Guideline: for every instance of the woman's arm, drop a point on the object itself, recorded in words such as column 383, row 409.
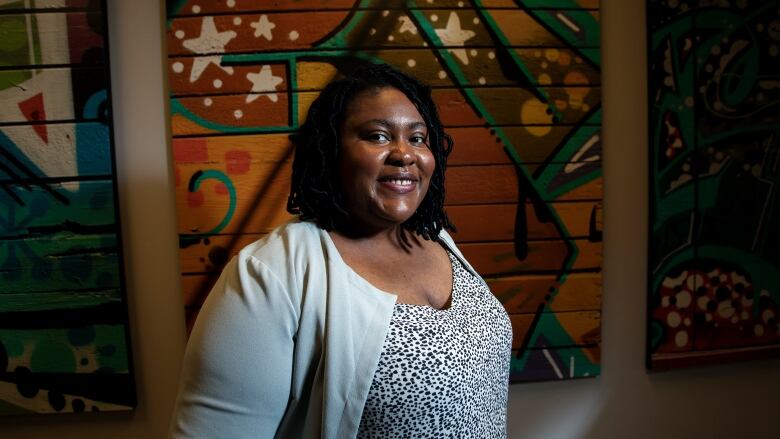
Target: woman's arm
column 237, row 368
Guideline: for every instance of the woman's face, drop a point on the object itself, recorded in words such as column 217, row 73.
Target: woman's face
column 385, row 166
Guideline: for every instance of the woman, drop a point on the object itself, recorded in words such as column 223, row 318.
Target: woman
column 361, row 318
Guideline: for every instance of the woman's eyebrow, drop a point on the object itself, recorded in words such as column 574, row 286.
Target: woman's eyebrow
column 386, row 123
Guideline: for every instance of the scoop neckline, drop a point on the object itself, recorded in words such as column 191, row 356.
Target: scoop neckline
column 354, row 274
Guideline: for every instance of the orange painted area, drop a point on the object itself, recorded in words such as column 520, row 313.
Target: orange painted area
column 520, row 29
column 261, row 199
column 472, row 220
column 497, row 258
column 581, row 326
column 287, row 31
column 524, row 293
column 240, row 111
column 216, row 79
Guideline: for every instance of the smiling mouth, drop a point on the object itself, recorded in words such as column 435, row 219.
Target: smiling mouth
column 398, row 181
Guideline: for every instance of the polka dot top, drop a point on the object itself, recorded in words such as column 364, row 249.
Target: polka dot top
column 443, row 373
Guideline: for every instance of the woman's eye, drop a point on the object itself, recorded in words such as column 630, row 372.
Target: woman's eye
column 417, row 139
column 378, row 137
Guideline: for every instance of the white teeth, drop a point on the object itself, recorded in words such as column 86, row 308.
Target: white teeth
column 401, row 182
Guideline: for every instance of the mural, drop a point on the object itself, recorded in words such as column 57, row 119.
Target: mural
column 518, row 87
column 63, row 317
column 715, row 167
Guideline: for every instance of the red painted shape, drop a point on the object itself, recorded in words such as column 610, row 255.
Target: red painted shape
column 190, row 151
column 237, row 162
column 195, row 199
column 220, row 189
column 34, row 111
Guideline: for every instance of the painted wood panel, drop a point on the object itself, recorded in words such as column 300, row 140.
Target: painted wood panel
column 517, row 84
column 714, row 268
column 64, row 339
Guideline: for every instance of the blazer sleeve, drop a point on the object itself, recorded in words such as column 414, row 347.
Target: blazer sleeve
column 237, row 368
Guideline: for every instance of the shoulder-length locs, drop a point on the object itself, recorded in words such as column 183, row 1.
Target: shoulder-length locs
column 315, row 194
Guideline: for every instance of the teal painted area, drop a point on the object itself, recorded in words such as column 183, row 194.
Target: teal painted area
column 92, row 143
column 91, row 205
column 224, row 179
column 178, row 108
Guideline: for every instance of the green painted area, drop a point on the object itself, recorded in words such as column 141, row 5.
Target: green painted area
column 13, row 345
column 12, row 78
column 52, row 356
column 56, row 300
column 92, row 204
column 59, row 262
column 14, row 47
column 110, row 341
column 55, row 350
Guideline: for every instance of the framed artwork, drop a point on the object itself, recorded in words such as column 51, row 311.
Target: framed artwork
column 64, row 343
column 714, row 274
column 517, row 84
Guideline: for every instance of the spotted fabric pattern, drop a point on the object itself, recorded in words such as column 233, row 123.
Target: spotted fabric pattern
column 443, row 373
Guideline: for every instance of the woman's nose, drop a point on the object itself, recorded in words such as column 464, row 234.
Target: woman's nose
column 401, row 154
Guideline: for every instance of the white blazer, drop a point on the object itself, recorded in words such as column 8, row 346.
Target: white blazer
column 286, row 344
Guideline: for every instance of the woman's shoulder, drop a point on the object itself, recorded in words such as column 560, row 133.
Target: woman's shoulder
column 289, row 240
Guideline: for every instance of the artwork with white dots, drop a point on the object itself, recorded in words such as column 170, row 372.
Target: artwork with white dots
column 517, row 83
column 714, row 265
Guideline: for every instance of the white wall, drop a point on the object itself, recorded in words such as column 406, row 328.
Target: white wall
column 736, row 401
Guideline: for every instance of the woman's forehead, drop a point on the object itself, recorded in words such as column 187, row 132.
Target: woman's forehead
column 381, row 103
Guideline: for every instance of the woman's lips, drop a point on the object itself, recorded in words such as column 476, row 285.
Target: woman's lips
column 401, row 185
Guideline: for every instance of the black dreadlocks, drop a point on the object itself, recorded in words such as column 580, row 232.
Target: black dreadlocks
column 315, row 193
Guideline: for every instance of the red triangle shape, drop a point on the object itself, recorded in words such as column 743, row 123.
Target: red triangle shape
column 34, row 111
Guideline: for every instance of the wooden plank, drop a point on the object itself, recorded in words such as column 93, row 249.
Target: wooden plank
column 248, row 33
column 209, row 255
column 50, row 6
column 207, row 114
column 581, row 328
column 281, row 31
column 48, row 94
column 484, row 68
column 60, row 262
column 533, row 143
column 56, row 300
column 60, row 38
column 496, row 222
column 542, row 4
column 89, row 204
column 188, row 75
column 494, row 258
column 524, row 294
column 544, row 364
column 260, row 197
column 82, row 149
column 499, row 184
column 194, row 7
column 521, row 29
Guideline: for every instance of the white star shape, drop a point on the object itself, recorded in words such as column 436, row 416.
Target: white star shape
column 454, row 35
column 263, row 27
column 209, row 41
column 263, row 82
column 407, row 25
